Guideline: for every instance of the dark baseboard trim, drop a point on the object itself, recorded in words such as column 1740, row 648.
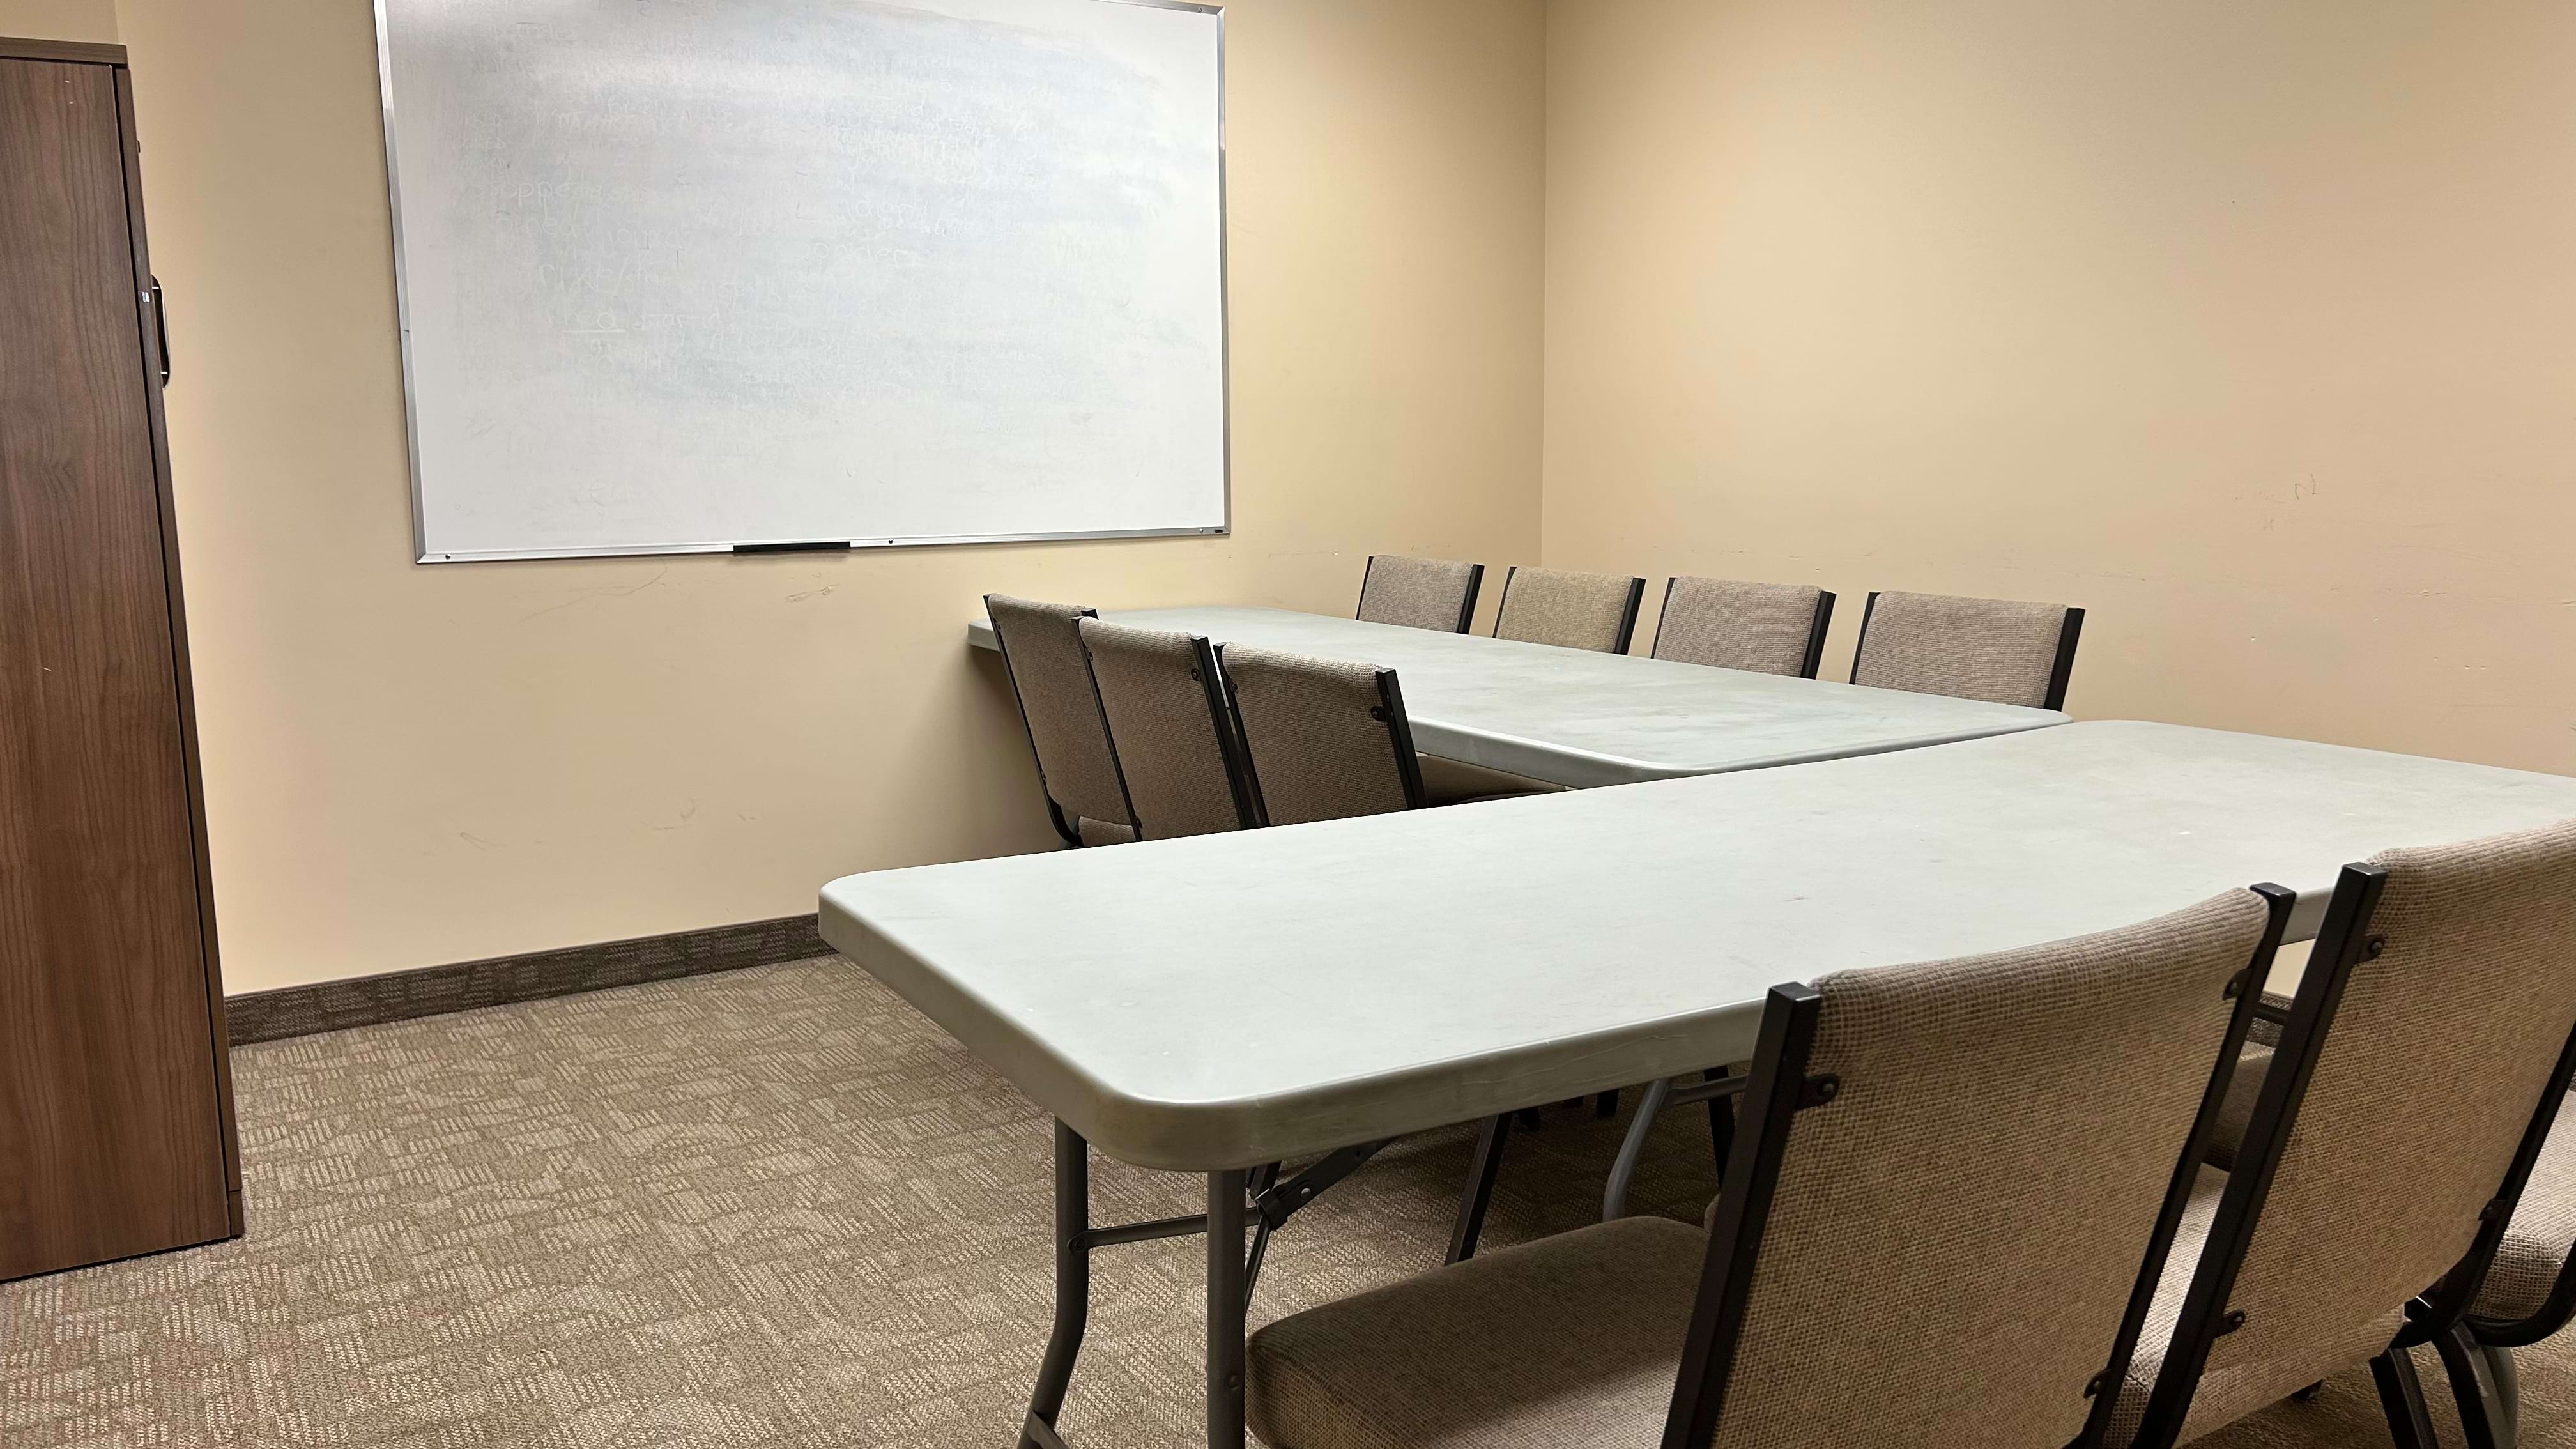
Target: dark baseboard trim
column 437, row 990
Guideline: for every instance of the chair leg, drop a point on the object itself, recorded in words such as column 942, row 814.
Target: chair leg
column 2485, row 1417
column 1606, row 1105
column 2401, row 1398
column 1478, row 1194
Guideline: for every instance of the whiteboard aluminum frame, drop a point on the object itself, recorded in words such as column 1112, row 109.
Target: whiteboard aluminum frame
column 422, row 554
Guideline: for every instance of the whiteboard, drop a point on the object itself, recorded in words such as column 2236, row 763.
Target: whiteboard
column 685, row 275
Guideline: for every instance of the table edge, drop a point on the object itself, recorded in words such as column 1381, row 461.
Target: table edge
column 1211, row 1136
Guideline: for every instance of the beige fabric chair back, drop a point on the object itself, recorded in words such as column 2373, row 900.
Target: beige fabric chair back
column 2433, row 1067
column 1990, row 649
column 1958, row 1221
column 1578, row 611
column 1420, row 593
column 1170, row 726
column 1324, row 739
column 1764, row 628
column 1042, row 649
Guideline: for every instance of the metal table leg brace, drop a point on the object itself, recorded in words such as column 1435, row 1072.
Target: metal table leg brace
column 1235, row 1198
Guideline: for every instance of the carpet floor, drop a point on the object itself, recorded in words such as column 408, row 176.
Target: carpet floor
column 771, row 1207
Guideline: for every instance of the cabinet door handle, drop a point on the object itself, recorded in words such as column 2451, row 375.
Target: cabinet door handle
column 161, row 329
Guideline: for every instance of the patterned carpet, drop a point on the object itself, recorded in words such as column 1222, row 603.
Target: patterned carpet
column 772, row 1207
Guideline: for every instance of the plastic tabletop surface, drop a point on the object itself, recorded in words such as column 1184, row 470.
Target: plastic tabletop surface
column 1579, row 718
column 1227, row 1000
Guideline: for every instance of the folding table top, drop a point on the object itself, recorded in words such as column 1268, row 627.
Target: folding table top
column 1579, row 718
column 1227, row 1000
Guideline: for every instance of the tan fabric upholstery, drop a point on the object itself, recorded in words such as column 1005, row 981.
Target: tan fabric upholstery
column 2226, row 1394
column 1579, row 611
column 1318, row 749
column 1419, row 593
column 1981, row 1191
column 1989, row 649
column 2155, row 1336
column 2542, row 1235
column 2243, row 1090
column 2378, row 1193
column 2004, row 1137
column 1764, row 628
column 1569, row 1342
column 1043, row 648
column 2265, row 1030
column 1169, row 752
column 1103, row 832
column 1455, row 782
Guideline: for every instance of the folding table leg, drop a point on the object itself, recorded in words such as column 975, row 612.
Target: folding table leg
column 1226, row 1306
column 1632, row 1150
column 2508, row 1386
column 1229, row 1279
column 1478, row 1194
column 1072, row 1288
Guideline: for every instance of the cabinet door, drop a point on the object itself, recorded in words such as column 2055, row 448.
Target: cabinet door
column 111, row 1139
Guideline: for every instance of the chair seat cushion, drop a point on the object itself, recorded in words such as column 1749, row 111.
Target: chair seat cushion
column 2542, row 1234
column 1455, row 782
column 2229, row 1394
column 2156, row 1334
column 1104, row 832
column 1573, row 1340
column 2236, row 1113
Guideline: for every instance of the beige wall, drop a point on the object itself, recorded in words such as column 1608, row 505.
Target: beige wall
column 2250, row 327
column 411, row 765
column 90, row 20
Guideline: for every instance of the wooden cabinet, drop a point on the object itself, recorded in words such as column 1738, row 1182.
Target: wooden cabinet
column 116, row 1133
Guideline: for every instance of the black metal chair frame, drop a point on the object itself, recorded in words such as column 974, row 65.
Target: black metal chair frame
column 1055, row 812
column 1221, row 718
column 2434, row 1317
column 1815, row 656
column 2059, row 673
column 1627, row 616
column 1466, row 607
column 1780, row 1087
column 1777, row 1089
column 2552, row 1315
column 1389, row 711
column 2477, row 1357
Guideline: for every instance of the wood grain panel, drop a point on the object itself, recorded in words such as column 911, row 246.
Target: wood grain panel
column 110, row 1125
column 156, row 366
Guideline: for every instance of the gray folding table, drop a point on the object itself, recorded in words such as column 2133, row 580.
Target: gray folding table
column 1577, row 718
column 1211, row 1004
